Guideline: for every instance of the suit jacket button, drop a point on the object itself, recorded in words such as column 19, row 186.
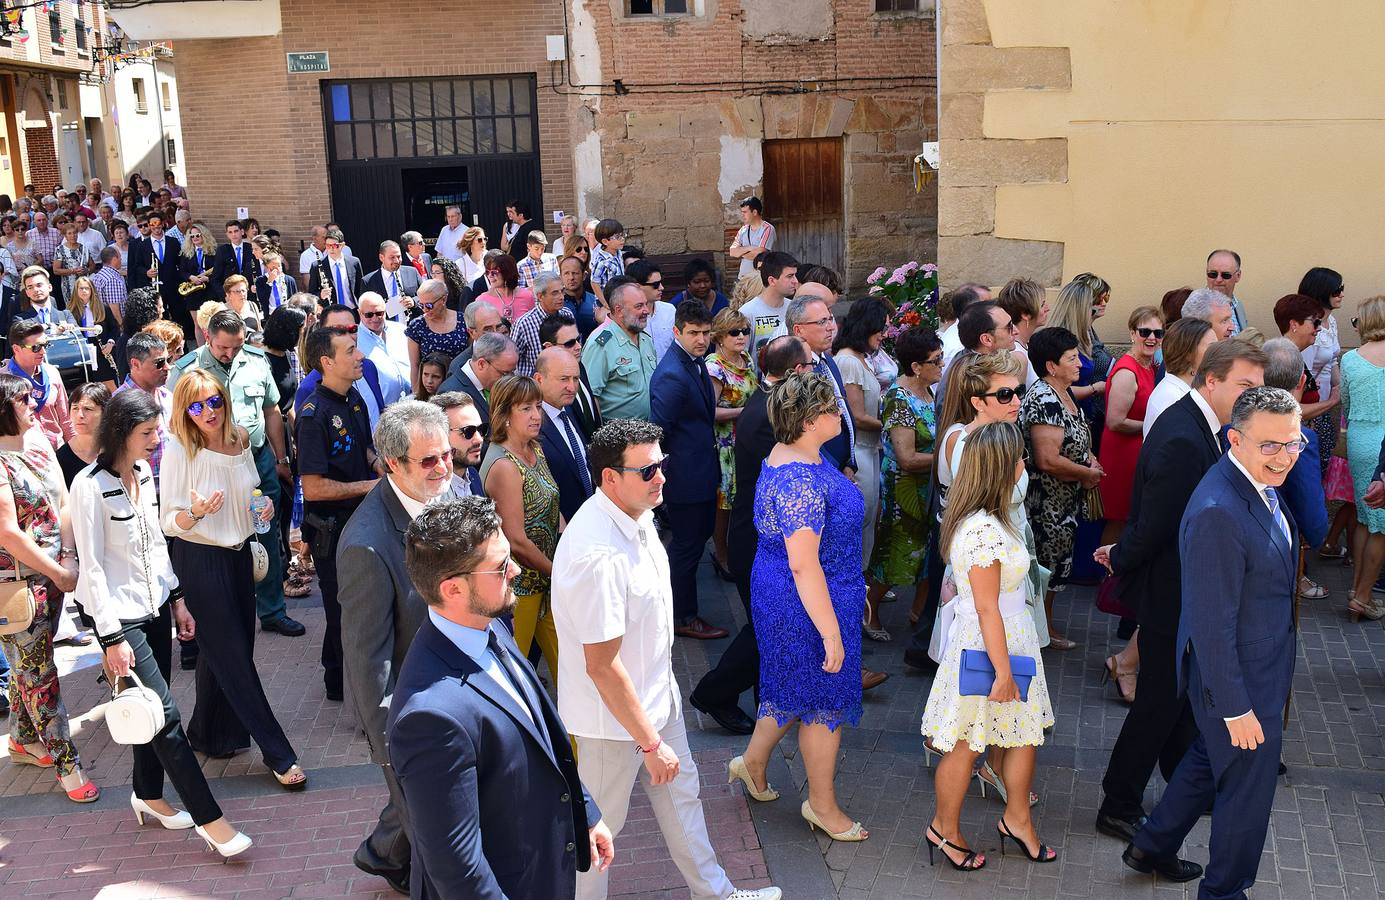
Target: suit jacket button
column 571, row 847
column 565, row 798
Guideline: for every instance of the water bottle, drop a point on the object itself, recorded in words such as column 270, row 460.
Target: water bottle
column 258, row 503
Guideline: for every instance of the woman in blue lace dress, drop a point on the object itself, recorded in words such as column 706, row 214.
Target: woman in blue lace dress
column 807, row 598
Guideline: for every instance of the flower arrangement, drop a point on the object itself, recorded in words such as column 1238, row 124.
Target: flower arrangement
column 913, row 290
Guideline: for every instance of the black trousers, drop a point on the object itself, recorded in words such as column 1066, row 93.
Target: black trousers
column 323, row 545
column 231, row 704
column 1158, row 729
column 692, row 525
column 169, row 752
column 923, row 631
column 739, row 666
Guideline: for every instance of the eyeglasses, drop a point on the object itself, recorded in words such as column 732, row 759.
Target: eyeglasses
column 36, row 346
column 470, row 431
column 934, row 361
column 431, row 461
column 378, row 314
column 1213, row 274
column 1317, row 322
column 197, row 407
column 160, row 363
column 503, row 570
column 823, row 322
column 738, row 332
column 1272, row 448
column 1008, row 326
column 1150, row 332
column 1005, row 394
column 646, row 472
column 1355, row 321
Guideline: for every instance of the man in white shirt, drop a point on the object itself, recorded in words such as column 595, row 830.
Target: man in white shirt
column 89, row 237
column 383, row 343
column 451, row 235
column 312, row 255
column 955, row 302
column 779, row 271
column 613, row 610
column 755, row 237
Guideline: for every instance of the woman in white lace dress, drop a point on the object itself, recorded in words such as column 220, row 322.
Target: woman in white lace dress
column 990, row 613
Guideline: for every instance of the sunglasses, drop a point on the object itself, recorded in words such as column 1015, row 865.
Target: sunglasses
column 197, row 407
column 36, row 347
column 431, row 461
column 572, row 344
column 657, row 285
column 503, row 570
column 646, row 472
column 160, row 363
column 346, row 329
column 378, row 314
column 428, row 307
column 1005, row 394
column 1317, row 322
column 1355, row 321
column 1150, row 332
column 1213, row 274
column 470, row 431
column 738, row 332
column 23, row 398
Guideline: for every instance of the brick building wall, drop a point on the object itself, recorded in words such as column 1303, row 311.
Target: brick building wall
column 254, row 135
column 42, row 158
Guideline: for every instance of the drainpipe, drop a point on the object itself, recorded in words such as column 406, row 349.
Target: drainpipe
column 159, row 106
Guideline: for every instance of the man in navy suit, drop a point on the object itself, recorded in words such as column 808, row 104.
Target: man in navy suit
column 394, row 281
column 810, row 319
column 337, row 278
column 561, row 437
column 495, row 805
column 234, row 256
column 164, row 249
column 683, row 403
column 1235, row 651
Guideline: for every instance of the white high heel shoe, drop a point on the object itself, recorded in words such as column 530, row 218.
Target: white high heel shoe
column 179, row 820
column 236, row 845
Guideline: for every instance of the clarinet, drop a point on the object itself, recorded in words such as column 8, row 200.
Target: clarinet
column 324, row 276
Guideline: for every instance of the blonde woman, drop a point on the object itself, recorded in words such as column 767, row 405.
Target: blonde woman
column 568, row 226
column 195, row 262
column 1075, row 310
column 236, row 291
column 747, row 288
column 472, row 260
column 204, row 315
column 99, row 326
column 207, row 478
column 990, row 615
column 516, row 474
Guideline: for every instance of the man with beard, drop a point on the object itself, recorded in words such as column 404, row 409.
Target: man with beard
column 466, row 434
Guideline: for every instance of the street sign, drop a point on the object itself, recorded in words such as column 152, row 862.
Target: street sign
column 316, row 61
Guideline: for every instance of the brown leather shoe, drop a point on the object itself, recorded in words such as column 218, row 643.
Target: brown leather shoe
column 699, row 630
column 871, row 679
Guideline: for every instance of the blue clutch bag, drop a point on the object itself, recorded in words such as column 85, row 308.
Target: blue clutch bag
column 977, row 676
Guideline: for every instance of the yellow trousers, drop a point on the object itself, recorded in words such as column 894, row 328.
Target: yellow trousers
column 530, row 627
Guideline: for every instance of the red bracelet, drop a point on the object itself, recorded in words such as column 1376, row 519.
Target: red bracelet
column 651, row 748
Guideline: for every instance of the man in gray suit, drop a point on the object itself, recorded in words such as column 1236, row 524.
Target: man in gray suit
column 379, row 611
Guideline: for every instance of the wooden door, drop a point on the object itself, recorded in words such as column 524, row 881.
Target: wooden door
column 803, row 199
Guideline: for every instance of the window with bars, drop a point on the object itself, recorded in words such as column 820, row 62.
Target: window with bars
column 432, row 117
column 172, row 151
column 904, row 6
column 637, row 8
column 79, row 26
column 141, row 98
column 167, row 96
column 55, row 23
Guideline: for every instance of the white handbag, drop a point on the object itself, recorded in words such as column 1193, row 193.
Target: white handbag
column 259, row 557
column 135, row 714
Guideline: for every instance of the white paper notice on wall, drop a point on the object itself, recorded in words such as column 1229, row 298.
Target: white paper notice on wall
column 242, row 212
column 558, row 216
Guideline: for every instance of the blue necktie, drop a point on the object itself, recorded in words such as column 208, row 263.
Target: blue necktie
column 341, row 291
column 576, row 447
column 159, row 249
column 199, row 260
column 1273, row 496
column 237, row 249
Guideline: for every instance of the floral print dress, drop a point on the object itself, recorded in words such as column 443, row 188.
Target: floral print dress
column 738, row 383
column 950, row 718
column 1054, row 504
column 901, row 536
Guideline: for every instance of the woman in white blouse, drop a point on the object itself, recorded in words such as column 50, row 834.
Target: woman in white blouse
column 207, row 479
column 126, row 584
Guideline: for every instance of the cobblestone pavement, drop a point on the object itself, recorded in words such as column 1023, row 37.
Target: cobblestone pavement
column 1327, row 835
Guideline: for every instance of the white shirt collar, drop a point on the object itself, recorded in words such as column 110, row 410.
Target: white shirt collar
column 1260, row 487
column 554, row 413
column 471, row 373
column 629, row 527
column 1210, row 414
column 411, row 506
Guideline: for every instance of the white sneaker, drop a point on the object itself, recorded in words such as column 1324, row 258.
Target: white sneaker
column 769, row 893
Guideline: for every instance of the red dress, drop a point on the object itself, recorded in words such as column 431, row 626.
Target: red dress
column 1120, row 451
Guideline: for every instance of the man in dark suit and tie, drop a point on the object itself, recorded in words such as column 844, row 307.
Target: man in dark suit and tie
column 394, row 281
column 1234, row 652
column 379, row 610
column 1181, row 447
column 559, row 332
column 496, row 808
column 234, row 257
column 564, row 444
column 163, row 249
column 337, row 277
column 810, row 319
column 683, row 403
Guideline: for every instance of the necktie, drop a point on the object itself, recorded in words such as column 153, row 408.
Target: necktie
column 1273, row 497
column 276, row 295
column 237, row 248
column 341, row 290
column 199, row 260
column 575, row 445
column 520, row 684
column 394, row 286
column 159, row 249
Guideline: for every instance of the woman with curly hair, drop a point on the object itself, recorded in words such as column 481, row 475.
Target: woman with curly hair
column 446, row 270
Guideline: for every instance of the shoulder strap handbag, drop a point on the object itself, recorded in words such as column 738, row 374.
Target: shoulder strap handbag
column 17, row 607
column 135, row 714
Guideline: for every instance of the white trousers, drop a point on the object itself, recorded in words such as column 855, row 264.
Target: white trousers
column 609, row 770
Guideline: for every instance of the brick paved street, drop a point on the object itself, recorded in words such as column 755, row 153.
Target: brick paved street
column 1327, row 835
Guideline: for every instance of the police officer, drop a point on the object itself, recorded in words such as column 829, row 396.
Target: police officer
column 336, row 461
column 620, row 357
column 255, row 407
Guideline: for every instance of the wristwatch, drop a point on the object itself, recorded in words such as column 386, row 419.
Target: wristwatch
column 282, row 462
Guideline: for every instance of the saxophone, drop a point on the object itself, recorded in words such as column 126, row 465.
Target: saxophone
column 188, row 288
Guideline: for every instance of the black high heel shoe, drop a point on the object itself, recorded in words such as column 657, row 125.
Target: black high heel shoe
column 1044, row 849
column 970, row 863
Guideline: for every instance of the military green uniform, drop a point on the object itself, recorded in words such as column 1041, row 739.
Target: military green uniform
column 250, row 386
column 619, row 370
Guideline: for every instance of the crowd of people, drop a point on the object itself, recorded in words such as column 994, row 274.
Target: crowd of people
column 488, row 457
